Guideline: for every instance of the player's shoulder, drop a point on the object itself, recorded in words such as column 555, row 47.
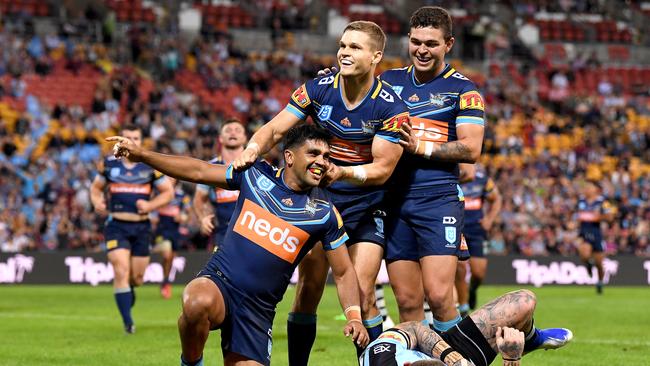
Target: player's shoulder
column 458, row 80
column 264, row 167
column 216, row 160
column 396, row 74
column 110, row 161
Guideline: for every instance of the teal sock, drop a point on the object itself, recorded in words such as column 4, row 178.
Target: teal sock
column 198, row 362
column 445, row 326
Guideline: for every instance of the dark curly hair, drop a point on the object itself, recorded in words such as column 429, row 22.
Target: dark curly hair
column 432, row 16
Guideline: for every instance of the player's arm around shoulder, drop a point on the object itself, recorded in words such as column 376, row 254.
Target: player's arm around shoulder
column 180, row 167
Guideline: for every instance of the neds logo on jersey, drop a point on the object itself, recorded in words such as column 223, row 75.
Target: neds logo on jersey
column 270, row 232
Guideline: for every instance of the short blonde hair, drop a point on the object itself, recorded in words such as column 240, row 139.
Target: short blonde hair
column 373, row 30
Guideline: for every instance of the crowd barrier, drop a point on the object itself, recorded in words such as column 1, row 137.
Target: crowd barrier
column 94, row 269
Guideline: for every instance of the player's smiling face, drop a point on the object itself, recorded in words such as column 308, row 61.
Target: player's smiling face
column 308, row 163
column 357, row 53
column 427, row 49
column 233, row 135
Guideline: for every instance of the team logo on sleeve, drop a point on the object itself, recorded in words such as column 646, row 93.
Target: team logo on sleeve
column 394, row 124
column 471, row 100
column 301, row 97
column 325, row 113
column 270, row 232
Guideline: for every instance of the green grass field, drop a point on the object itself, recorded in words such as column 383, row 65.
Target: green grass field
column 78, row 325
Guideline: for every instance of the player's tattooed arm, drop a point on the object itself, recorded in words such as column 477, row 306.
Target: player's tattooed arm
column 467, row 149
column 429, row 342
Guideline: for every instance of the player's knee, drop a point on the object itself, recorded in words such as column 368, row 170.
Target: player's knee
column 137, row 280
column 409, row 301
column 437, row 297
column 530, row 301
column 197, row 307
column 121, row 273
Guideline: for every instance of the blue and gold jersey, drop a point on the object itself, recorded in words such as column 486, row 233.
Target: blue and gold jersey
column 223, row 201
column 167, row 214
column 380, row 114
column 589, row 213
column 272, row 229
column 127, row 185
column 475, row 193
column 436, row 108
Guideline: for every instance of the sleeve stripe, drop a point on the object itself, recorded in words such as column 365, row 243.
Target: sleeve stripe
column 338, row 242
column 229, row 172
column 295, row 111
column 470, row 119
column 389, row 138
column 448, row 74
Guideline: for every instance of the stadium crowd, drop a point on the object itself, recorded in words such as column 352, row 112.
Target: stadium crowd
column 543, row 139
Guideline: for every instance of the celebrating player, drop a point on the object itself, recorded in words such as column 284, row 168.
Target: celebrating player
column 478, row 191
column 504, row 325
column 128, row 230
column 364, row 116
column 232, row 139
column 426, row 215
column 280, row 216
column 592, row 210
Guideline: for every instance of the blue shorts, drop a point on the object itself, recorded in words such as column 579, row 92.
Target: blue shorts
column 475, row 237
column 594, row 238
column 169, row 233
column 135, row 236
column 423, row 224
column 363, row 216
column 247, row 327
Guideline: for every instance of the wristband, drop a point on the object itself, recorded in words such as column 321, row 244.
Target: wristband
column 353, row 313
column 428, row 149
column 417, row 146
column 359, row 174
column 254, row 145
column 511, row 359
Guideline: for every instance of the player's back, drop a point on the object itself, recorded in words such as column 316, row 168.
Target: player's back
column 474, row 193
column 223, row 200
column 436, row 108
column 391, row 348
column 168, row 213
column 353, row 129
column 272, row 229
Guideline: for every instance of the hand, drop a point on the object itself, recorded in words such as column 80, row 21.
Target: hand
column 247, row 157
column 100, row 208
column 408, row 139
column 510, row 342
column 143, row 206
column 125, row 148
column 332, row 174
column 327, row 71
column 486, row 223
column 207, row 225
column 358, row 333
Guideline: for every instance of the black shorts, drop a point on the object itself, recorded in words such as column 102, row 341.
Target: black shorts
column 466, row 339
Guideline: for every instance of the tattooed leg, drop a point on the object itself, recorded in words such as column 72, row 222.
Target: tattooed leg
column 514, row 309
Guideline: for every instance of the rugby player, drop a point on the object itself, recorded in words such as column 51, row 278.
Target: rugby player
column 426, row 214
column 477, row 224
column 232, row 139
column 167, row 234
column 504, row 325
column 364, row 116
column 128, row 232
column 592, row 210
column 280, row 216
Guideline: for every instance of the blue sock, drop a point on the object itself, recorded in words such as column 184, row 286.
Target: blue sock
column 301, row 333
column 123, row 299
column 374, row 326
column 198, row 362
column 533, row 340
column 445, row 326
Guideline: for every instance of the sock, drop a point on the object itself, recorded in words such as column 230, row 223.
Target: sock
column 428, row 315
column 301, row 333
column 132, row 296
column 374, row 327
column 444, row 326
column 532, row 339
column 473, row 286
column 463, row 308
column 198, row 362
column 123, row 300
column 380, row 301
column 166, row 281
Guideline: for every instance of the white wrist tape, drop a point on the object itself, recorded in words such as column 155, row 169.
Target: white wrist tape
column 359, row 174
column 428, row 149
column 253, row 145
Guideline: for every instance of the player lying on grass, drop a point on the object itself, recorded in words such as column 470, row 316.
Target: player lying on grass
column 280, row 215
column 504, row 326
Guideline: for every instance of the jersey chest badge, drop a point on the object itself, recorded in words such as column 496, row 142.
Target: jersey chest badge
column 264, row 183
column 287, row 201
column 115, row 172
column 414, row 98
column 437, row 100
column 325, row 112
